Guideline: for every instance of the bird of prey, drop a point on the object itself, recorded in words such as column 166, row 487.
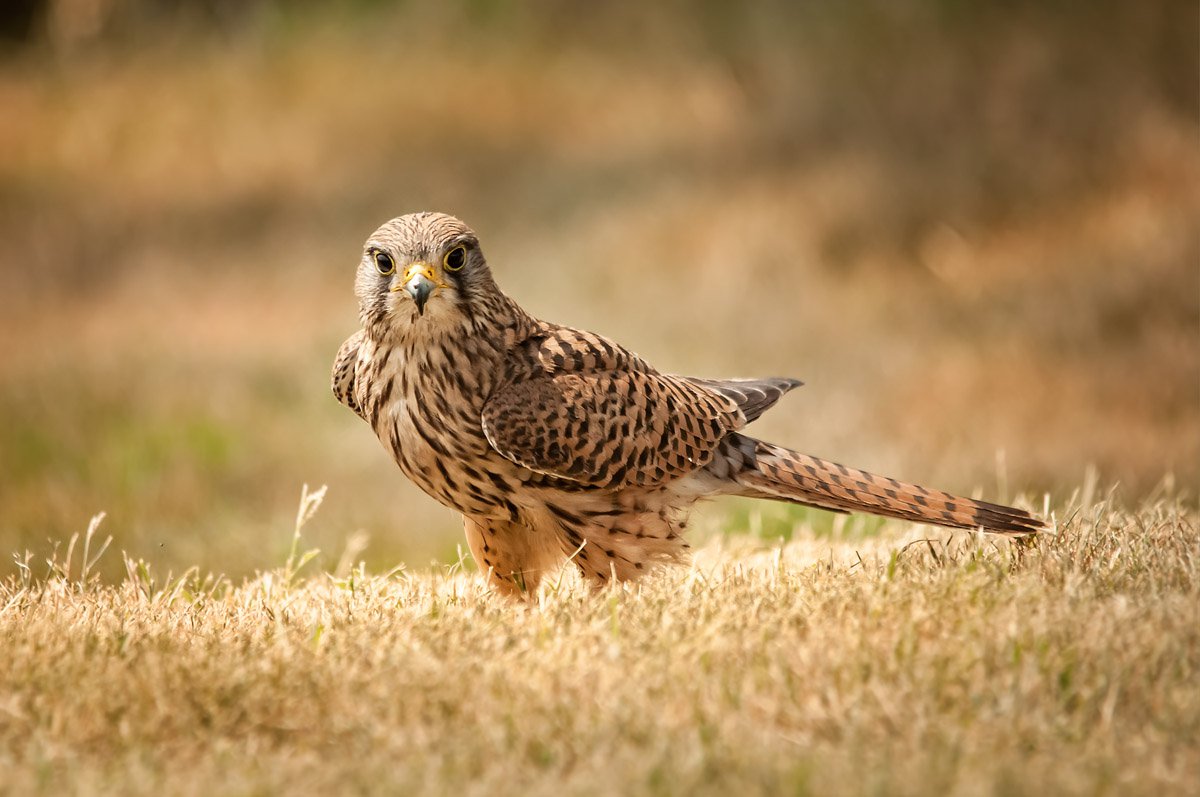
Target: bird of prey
column 557, row 444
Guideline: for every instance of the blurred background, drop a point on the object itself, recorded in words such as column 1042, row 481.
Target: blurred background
column 973, row 228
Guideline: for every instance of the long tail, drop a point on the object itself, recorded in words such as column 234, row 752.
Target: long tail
column 770, row 471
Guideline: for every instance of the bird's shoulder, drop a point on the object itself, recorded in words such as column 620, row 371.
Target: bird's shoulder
column 552, row 349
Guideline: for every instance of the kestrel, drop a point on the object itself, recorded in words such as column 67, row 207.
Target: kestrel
column 557, row 444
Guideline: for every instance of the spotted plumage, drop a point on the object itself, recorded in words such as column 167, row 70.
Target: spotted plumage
column 557, row 444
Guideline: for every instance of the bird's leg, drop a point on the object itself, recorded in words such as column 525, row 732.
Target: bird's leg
column 512, row 557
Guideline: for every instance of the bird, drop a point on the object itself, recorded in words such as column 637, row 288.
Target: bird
column 559, row 445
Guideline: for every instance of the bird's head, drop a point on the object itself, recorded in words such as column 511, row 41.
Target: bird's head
column 421, row 270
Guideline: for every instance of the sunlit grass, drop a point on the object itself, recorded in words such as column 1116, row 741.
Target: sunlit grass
column 959, row 665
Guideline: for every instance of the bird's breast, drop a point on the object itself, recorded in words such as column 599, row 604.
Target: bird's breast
column 426, row 410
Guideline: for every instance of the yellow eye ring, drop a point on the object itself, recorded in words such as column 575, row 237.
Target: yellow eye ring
column 384, row 264
column 455, row 259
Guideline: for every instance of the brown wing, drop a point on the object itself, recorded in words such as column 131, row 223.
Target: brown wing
column 596, row 414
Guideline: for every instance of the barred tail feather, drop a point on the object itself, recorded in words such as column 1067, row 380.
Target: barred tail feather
column 782, row 474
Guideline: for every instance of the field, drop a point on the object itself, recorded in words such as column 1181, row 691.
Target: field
column 972, row 229
column 848, row 665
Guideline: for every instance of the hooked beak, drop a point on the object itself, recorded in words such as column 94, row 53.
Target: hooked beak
column 419, row 282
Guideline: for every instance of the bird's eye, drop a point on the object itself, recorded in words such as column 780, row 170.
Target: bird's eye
column 384, row 263
column 455, row 259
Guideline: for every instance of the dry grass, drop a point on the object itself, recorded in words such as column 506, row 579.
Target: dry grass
column 842, row 665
